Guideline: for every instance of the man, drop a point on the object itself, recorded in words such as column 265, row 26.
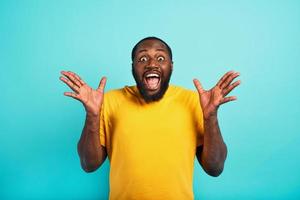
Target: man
column 151, row 132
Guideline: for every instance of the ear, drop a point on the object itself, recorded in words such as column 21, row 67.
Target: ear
column 172, row 65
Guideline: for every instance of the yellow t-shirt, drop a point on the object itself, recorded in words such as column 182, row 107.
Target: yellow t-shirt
column 151, row 146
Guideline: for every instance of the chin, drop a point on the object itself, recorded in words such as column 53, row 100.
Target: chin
column 150, row 96
column 155, row 93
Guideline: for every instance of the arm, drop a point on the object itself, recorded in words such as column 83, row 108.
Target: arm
column 90, row 151
column 92, row 154
column 212, row 154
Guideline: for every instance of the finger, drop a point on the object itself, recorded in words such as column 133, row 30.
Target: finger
column 102, row 84
column 74, row 78
column 73, row 95
column 224, row 78
column 74, row 87
column 228, row 89
column 71, row 78
column 227, row 99
column 229, row 79
column 198, row 86
column 77, row 77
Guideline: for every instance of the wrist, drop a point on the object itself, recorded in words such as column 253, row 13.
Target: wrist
column 211, row 117
column 92, row 111
column 92, row 114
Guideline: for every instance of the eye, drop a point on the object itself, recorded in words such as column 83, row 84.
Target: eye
column 143, row 59
column 160, row 58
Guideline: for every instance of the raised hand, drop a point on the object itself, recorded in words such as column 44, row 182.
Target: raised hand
column 90, row 98
column 210, row 100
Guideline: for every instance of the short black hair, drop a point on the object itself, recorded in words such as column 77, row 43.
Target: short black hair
column 150, row 38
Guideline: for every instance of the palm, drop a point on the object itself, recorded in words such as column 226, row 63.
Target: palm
column 211, row 99
column 91, row 99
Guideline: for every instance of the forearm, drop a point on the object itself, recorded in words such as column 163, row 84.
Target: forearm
column 91, row 152
column 214, row 150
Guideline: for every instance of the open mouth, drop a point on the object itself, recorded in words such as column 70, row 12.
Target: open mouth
column 152, row 80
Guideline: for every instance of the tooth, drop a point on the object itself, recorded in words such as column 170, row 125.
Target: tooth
column 152, row 75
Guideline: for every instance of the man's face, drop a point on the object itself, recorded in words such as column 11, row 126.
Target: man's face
column 152, row 69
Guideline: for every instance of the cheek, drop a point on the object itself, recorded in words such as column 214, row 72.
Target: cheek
column 138, row 72
column 166, row 69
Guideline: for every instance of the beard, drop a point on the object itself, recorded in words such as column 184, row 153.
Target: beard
column 164, row 84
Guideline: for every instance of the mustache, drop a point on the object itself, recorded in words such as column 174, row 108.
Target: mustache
column 154, row 69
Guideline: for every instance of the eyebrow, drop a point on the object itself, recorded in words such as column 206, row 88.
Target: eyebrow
column 143, row 50
column 160, row 50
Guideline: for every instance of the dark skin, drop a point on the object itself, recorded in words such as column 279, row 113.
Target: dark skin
column 92, row 154
column 152, row 56
column 211, row 155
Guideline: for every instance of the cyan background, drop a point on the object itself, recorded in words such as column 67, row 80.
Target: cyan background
column 40, row 127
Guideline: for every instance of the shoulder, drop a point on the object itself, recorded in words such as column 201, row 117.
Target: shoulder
column 121, row 93
column 112, row 99
column 185, row 94
column 113, row 93
column 116, row 97
column 182, row 89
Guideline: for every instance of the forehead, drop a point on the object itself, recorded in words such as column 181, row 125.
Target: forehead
column 151, row 44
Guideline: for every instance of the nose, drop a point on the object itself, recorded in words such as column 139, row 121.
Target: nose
column 152, row 63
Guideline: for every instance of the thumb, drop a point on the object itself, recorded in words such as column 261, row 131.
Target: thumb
column 198, row 86
column 102, row 84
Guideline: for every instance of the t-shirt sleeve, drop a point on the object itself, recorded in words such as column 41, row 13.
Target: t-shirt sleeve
column 198, row 117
